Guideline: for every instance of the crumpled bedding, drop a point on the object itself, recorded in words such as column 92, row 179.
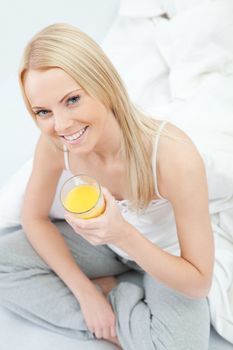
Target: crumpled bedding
column 182, row 70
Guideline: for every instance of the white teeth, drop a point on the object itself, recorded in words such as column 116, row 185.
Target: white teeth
column 75, row 136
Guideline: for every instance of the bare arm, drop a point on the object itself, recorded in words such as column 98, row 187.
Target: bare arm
column 183, row 182
column 41, row 232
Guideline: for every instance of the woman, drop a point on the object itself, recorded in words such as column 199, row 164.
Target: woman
column 156, row 224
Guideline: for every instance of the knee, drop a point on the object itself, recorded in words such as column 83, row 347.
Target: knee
column 156, row 291
column 16, row 253
column 180, row 322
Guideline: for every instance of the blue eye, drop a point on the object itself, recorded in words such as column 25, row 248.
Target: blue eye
column 70, row 101
column 41, row 113
column 74, row 99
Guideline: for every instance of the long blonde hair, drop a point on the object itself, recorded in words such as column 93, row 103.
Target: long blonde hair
column 66, row 47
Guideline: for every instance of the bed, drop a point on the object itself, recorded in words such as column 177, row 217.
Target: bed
column 181, row 69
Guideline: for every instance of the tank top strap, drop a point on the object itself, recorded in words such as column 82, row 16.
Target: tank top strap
column 66, row 157
column 154, row 157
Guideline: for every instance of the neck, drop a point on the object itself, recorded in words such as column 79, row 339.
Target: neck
column 110, row 150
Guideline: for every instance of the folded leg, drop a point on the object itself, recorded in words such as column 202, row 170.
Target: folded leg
column 30, row 288
column 154, row 317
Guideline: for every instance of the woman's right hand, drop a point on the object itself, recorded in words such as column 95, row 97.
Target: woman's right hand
column 98, row 314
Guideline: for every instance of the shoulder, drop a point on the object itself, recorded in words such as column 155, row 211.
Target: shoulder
column 42, row 184
column 179, row 163
column 49, row 152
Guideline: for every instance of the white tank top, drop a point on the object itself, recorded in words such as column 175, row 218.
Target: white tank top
column 156, row 223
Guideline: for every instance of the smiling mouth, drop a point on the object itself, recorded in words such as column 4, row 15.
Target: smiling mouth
column 76, row 135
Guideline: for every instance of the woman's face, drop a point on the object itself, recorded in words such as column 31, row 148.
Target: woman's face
column 64, row 111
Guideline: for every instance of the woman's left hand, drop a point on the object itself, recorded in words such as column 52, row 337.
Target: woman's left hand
column 108, row 228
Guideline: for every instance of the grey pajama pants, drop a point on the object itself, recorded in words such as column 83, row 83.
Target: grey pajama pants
column 149, row 315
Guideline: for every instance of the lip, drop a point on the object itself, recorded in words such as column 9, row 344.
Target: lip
column 79, row 140
column 75, row 132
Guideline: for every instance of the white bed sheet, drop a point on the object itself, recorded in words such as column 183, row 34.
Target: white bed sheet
column 16, row 333
column 182, row 70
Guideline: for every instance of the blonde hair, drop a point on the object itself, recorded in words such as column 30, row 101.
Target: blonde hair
column 66, row 47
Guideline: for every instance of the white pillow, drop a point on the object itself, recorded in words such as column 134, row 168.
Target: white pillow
column 131, row 46
column 141, row 8
column 154, row 8
column 11, row 196
column 12, row 193
column 176, row 7
column 196, row 43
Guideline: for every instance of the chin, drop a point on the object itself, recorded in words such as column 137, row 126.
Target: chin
column 80, row 151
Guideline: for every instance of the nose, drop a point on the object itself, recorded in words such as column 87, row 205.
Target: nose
column 62, row 123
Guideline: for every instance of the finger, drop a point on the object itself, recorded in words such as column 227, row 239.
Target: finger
column 94, row 241
column 106, row 333
column 109, row 202
column 107, row 194
column 75, row 221
column 113, row 331
column 91, row 329
column 74, row 227
column 90, row 224
column 98, row 333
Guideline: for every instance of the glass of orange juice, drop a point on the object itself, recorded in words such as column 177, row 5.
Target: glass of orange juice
column 81, row 195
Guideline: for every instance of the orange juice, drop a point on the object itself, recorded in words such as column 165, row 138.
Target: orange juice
column 84, row 201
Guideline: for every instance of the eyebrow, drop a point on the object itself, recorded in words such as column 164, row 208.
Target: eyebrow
column 63, row 98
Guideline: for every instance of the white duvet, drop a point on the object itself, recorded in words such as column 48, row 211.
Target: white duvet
column 181, row 70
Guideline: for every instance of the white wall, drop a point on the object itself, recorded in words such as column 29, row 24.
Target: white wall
column 19, row 21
